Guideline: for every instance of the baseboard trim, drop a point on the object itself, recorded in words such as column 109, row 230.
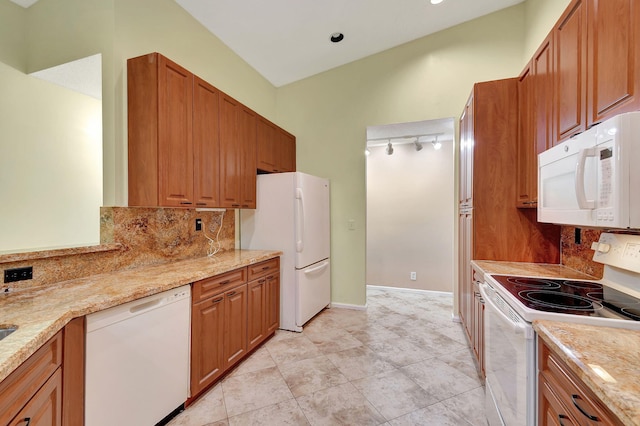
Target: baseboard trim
column 349, row 306
column 408, row 290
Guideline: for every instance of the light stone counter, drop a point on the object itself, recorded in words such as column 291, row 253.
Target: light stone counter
column 529, row 269
column 614, row 350
column 41, row 312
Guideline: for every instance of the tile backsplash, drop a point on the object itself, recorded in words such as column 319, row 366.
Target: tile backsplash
column 577, row 255
column 130, row 237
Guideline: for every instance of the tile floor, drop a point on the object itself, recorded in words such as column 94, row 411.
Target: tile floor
column 403, row 361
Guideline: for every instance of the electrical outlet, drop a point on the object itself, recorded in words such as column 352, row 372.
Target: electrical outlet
column 414, row 276
column 18, row 274
column 198, row 224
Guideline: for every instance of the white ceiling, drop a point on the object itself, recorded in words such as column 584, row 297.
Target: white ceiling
column 288, row 40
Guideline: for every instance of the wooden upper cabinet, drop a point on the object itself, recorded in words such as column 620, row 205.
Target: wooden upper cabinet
column 229, row 152
column 160, row 95
column 614, row 58
column 466, row 154
column 237, row 154
column 276, row 148
column 526, row 191
column 206, row 144
column 248, row 168
column 542, row 99
column 570, row 61
column 173, row 135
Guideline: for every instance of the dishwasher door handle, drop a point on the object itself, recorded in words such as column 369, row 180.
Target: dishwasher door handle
column 144, row 306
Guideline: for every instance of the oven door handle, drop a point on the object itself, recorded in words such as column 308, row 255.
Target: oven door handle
column 518, row 327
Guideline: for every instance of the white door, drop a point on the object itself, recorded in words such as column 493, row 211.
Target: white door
column 312, row 220
column 313, row 290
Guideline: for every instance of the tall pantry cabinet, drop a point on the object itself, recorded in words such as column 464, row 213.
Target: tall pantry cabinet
column 491, row 227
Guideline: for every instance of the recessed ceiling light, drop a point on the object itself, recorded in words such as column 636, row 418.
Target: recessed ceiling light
column 336, row 37
column 436, row 1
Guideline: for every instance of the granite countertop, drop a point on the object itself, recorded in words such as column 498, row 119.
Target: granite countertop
column 589, row 350
column 529, row 269
column 41, row 312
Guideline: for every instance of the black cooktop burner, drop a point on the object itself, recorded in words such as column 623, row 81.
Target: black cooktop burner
column 571, row 297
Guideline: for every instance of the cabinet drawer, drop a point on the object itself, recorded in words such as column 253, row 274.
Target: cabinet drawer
column 17, row 389
column 206, row 288
column 263, row 268
column 581, row 404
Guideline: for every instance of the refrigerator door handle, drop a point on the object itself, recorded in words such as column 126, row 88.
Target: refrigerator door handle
column 317, row 268
column 299, row 220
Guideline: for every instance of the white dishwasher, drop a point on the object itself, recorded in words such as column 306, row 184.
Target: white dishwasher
column 137, row 360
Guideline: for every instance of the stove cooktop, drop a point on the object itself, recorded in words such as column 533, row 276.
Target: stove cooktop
column 573, row 297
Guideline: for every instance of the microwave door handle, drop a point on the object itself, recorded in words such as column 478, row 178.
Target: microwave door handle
column 583, row 203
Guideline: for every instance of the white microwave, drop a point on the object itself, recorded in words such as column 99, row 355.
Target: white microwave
column 593, row 179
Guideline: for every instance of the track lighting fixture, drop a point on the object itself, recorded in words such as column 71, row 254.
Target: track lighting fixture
column 418, row 145
column 389, row 149
column 436, row 145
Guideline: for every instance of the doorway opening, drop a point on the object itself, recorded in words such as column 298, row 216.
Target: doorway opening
column 410, row 178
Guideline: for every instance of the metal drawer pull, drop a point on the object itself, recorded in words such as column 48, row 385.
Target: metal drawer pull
column 560, row 417
column 589, row 416
column 186, row 202
column 264, row 268
column 231, row 294
column 218, row 300
column 225, row 282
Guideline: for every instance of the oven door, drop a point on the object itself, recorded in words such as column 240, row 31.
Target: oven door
column 509, row 363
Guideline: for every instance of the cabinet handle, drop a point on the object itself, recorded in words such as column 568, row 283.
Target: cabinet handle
column 587, row 415
column 264, row 268
column 235, row 205
column 594, row 124
column 231, row 294
column 530, row 202
column 218, row 300
column 225, row 282
column 270, row 277
column 560, row 417
column 246, row 206
column 574, row 135
column 201, row 204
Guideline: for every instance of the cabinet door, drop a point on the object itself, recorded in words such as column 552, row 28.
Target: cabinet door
column 285, row 153
column 570, row 60
column 207, row 338
column 235, row 331
column 542, row 99
column 256, row 313
column 248, row 169
column 175, row 144
column 266, row 141
column 551, row 412
column 465, row 288
column 230, row 174
column 272, row 302
column 206, row 144
column 526, row 142
column 466, row 154
column 614, row 59
column 45, row 408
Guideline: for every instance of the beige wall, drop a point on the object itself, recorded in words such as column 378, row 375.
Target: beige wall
column 426, row 79
column 410, row 216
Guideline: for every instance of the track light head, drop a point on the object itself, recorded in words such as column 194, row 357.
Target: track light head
column 389, row 149
column 418, row 145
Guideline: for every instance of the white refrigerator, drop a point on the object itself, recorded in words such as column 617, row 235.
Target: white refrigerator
column 292, row 215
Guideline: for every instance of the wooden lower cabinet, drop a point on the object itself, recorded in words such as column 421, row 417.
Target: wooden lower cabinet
column 33, row 390
column 230, row 317
column 235, row 325
column 264, row 301
column 45, row 408
column 48, row 388
column 563, row 399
